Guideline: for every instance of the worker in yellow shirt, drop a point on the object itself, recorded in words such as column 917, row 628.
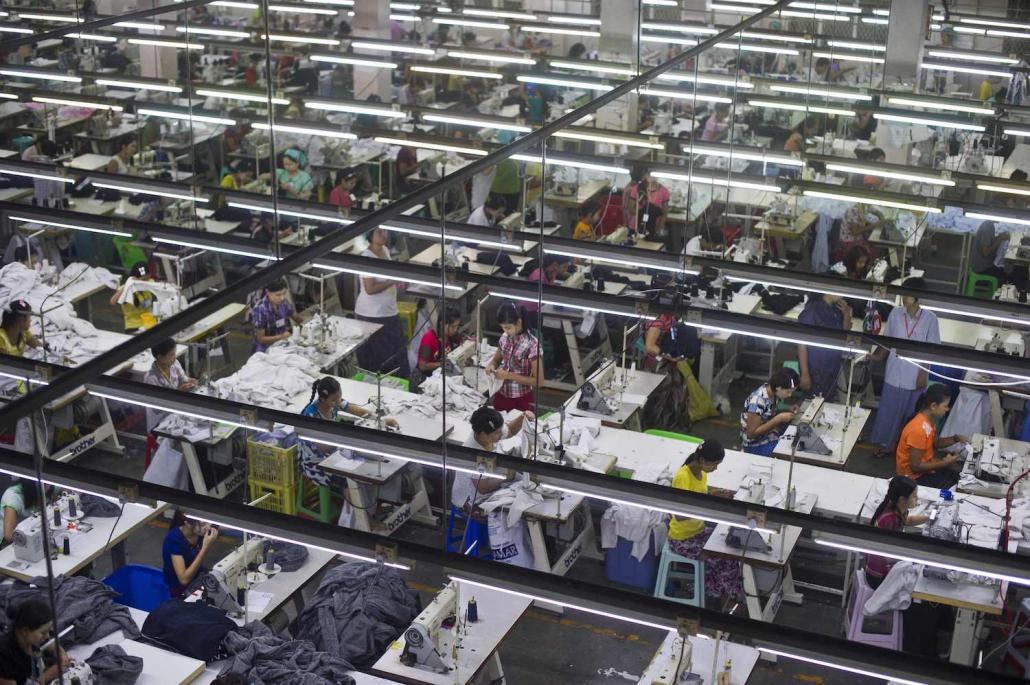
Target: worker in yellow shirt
column 687, row 536
column 589, row 217
column 15, row 335
column 138, row 314
column 241, row 172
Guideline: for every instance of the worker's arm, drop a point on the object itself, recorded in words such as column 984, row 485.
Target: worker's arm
column 990, row 249
column 10, row 523
column 52, row 673
column 5, row 681
column 112, row 167
column 951, row 440
column 427, row 362
column 535, row 377
column 264, row 339
column 916, row 519
column 515, row 425
column 651, row 341
column 660, row 224
column 806, row 378
column 117, row 294
column 492, row 366
column 917, row 465
column 755, row 427
column 485, row 485
column 186, row 574
column 374, row 286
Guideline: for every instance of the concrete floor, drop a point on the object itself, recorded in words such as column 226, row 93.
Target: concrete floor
column 577, row 647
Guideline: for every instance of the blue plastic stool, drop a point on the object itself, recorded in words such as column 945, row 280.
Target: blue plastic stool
column 695, row 578
column 476, row 533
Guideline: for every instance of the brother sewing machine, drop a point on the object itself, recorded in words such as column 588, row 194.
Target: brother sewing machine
column 945, row 523
column 806, row 424
column 28, row 539
column 222, row 585
column 744, row 538
column 675, row 665
column 428, row 645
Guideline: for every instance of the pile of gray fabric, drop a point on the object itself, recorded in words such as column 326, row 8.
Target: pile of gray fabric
column 112, row 666
column 84, row 603
column 99, row 507
column 357, row 611
column 289, row 556
column 265, row 658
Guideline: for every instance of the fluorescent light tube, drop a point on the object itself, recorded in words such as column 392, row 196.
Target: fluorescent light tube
column 1002, row 189
column 552, row 161
column 16, row 29
column 1008, row 34
column 301, row 39
column 56, row 18
column 386, row 277
column 568, row 83
column 989, row 22
column 979, row 315
column 8, row 96
column 74, row 227
column 742, row 9
column 715, row 181
column 700, row 30
column 611, row 139
column 142, row 85
column 751, row 47
column 849, row 57
column 866, row 200
column 140, row 26
column 553, row 303
column 773, row 36
column 455, row 238
column 455, row 71
column 391, row 47
column 711, row 79
column 431, row 146
column 76, row 103
column 405, row 6
column 490, row 57
column 684, row 95
column 972, row 57
column 875, row 20
column 792, row 286
column 356, row 61
column 327, row 132
column 186, row 116
column 150, row 191
column 598, row 68
column 357, row 109
column 204, row 31
column 457, row 21
column 466, row 121
column 499, row 14
column 403, row 17
column 882, row 12
column 578, row 21
column 203, row 417
column 775, row 104
column 233, row 3
column 814, row 15
column 341, row 3
column 827, row 7
column 832, row 664
column 769, row 158
column 562, row 31
column 41, row 75
column 35, row 174
column 661, row 3
column 303, row 10
column 236, row 95
column 854, row 45
column 391, row 455
column 997, row 217
column 333, row 219
column 668, row 40
column 912, row 102
column 821, row 92
column 943, row 66
column 874, row 171
column 213, row 248
column 927, row 121
column 157, row 42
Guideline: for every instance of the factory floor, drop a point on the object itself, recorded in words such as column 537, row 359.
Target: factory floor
column 576, row 647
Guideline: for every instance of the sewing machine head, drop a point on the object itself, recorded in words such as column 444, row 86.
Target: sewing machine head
column 422, row 647
column 593, row 400
column 229, row 574
column 28, row 539
column 878, row 271
column 512, row 222
column 944, row 523
column 618, row 236
column 576, row 280
column 75, row 673
column 461, row 354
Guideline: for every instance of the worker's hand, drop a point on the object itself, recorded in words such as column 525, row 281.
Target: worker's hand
column 392, row 422
column 806, row 381
column 501, row 374
column 962, row 439
column 530, row 416
column 1004, row 236
column 63, row 658
column 844, row 307
column 209, row 536
column 785, row 416
column 189, row 386
column 952, row 458
column 490, row 370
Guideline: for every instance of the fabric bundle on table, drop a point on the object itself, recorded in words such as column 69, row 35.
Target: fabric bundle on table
column 265, row 658
column 112, row 666
column 357, row 611
column 79, row 272
column 460, row 397
column 635, row 524
column 269, row 379
column 99, row 507
column 288, row 555
column 86, row 604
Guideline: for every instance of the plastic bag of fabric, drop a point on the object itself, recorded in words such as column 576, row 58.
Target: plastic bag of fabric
column 699, row 405
column 666, row 408
column 112, row 666
column 510, row 544
column 191, row 628
column 167, row 467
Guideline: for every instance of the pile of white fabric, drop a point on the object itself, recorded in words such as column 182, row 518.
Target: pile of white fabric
column 459, row 396
column 636, row 524
column 578, row 437
column 270, row 379
column 80, row 272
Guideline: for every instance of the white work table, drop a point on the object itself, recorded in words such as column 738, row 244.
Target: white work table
column 703, row 658
column 630, row 387
column 845, row 433
column 498, row 613
column 740, row 304
column 85, row 547
column 337, row 348
column 285, row 584
column 90, row 162
column 969, row 483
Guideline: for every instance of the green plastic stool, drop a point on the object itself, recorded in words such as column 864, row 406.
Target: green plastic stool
column 980, row 285
column 326, row 512
column 128, row 254
column 390, row 381
column 674, row 436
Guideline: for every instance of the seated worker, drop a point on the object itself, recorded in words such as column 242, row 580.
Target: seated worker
column 877, row 156
column 553, row 268
column 589, row 221
column 705, row 241
column 185, row 546
column 859, row 221
column 666, row 340
column 760, row 424
column 517, row 361
column 15, row 333
column 820, row 366
column 717, row 128
column 687, row 536
column 407, row 165
column 292, row 181
column 489, row 214
column 341, row 195
column 32, row 623
column 121, row 163
column 854, row 264
column 240, row 173
column 166, row 372
column 468, row 490
column 326, row 402
column 20, row 500
column 916, row 456
column 430, row 352
column 137, row 315
column 272, row 315
column 825, row 70
column 863, row 125
column 796, row 141
column 987, row 251
column 892, row 514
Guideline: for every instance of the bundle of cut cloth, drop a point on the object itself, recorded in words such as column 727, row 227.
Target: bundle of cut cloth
column 357, row 611
column 636, row 524
column 270, row 379
column 578, row 436
column 86, row 604
column 265, row 658
column 460, row 397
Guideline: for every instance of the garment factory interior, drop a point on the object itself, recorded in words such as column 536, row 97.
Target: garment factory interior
column 514, row 341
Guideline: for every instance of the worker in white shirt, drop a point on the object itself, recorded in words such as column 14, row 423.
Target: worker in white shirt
column 488, row 214
column 703, row 242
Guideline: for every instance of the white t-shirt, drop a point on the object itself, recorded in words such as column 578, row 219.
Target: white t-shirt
column 379, row 305
column 479, row 218
column 693, row 247
column 14, row 499
column 464, row 488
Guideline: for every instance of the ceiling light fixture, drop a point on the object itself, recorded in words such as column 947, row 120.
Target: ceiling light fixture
column 187, row 116
column 967, row 109
column 468, row 121
column 391, row 47
column 927, row 121
column 239, row 95
column 568, row 83
column 304, row 130
column 775, row 104
column 142, row 85
column 73, row 227
column 491, row 57
column 455, row 71
column 355, row 61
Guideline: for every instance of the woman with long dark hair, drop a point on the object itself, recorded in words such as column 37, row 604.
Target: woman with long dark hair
column 517, row 361
column 32, row 622
column 892, row 514
column 183, row 552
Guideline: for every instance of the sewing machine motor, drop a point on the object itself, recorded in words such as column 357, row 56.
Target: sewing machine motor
column 591, row 399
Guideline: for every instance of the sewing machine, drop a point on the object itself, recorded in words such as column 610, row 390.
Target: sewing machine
column 1013, row 345
column 807, row 437
column 168, row 299
column 996, row 467
column 76, row 673
column 28, row 539
column 576, row 280
column 512, row 222
column 676, row 665
column 422, row 639
column 620, row 236
column 944, row 523
column 748, row 251
column 231, row 573
column 878, row 271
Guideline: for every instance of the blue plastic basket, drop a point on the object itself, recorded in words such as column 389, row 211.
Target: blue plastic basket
column 141, row 587
column 624, row 569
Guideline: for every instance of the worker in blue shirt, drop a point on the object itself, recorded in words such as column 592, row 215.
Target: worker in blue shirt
column 821, row 366
column 183, row 552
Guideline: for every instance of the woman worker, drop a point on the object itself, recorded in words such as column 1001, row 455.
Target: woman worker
column 387, row 348
column 760, row 424
column 183, row 552
column 20, row 500
column 517, row 361
column 32, row 622
column 916, row 456
column 15, row 335
column 432, row 351
column 121, row 163
column 137, row 315
column 292, row 180
column 687, row 536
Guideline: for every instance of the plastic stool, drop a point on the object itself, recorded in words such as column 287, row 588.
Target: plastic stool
column 980, row 285
column 324, row 512
column 882, row 630
column 673, row 436
column 1017, row 650
column 666, row 575
column 476, row 533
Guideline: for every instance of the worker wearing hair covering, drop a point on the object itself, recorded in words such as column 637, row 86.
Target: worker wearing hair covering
column 293, row 181
column 15, row 335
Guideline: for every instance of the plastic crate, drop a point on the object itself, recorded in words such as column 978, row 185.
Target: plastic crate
column 622, row 568
column 140, row 587
column 272, row 464
column 280, row 499
column 408, row 311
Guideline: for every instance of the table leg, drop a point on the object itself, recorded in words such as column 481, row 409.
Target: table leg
column 964, row 642
column 707, row 369
column 540, row 559
column 189, row 454
column 89, row 309
column 118, row 556
column 790, row 593
column 492, row 670
column 362, row 521
column 754, row 602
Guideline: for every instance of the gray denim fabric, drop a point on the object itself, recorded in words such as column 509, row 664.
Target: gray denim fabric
column 288, row 555
column 265, row 658
column 83, row 602
column 112, row 666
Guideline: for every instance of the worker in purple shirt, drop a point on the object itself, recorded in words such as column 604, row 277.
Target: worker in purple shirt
column 272, row 315
column 820, row 366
